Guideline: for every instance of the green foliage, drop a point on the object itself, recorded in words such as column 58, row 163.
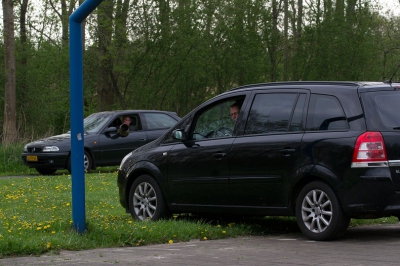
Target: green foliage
column 159, row 55
column 11, row 161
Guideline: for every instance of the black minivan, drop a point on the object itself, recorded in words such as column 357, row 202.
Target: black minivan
column 324, row 152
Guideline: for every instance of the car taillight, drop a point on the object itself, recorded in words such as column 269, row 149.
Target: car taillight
column 370, row 150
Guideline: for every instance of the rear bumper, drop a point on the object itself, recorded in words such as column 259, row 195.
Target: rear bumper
column 47, row 160
column 372, row 196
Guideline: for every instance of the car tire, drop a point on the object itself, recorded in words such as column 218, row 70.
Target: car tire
column 46, row 171
column 319, row 213
column 87, row 162
column 146, row 200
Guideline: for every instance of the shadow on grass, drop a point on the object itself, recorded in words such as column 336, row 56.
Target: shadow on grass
column 270, row 225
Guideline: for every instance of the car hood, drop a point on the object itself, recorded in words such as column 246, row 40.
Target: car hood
column 66, row 137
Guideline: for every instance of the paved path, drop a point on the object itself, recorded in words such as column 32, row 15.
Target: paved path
column 367, row 245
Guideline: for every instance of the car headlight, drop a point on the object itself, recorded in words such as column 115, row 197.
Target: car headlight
column 124, row 159
column 50, row 148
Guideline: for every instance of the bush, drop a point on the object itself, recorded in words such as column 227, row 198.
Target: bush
column 11, row 161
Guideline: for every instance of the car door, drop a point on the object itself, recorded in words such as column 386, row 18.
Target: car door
column 263, row 159
column 113, row 147
column 198, row 168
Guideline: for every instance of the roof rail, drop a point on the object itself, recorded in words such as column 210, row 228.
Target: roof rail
column 343, row 83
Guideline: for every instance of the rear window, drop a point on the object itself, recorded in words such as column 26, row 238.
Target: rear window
column 271, row 112
column 158, row 121
column 382, row 110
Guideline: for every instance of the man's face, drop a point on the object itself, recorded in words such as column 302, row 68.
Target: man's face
column 127, row 120
column 234, row 113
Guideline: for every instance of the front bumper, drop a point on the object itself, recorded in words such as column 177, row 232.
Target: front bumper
column 122, row 186
column 53, row 160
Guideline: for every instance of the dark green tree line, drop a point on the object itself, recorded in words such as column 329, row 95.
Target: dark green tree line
column 175, row 54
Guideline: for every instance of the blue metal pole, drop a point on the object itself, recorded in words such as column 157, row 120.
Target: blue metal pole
column 76, row 112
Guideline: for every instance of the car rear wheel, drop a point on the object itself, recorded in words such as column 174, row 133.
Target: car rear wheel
column 46, row 171
column 146, row 200
column 319, row 214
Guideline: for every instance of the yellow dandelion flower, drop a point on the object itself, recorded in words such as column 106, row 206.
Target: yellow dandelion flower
column 53, row 232
column 205, row 238
column 224, row 232
column 39, row 228
column 48, row 245
column 67, row 204
column 170, row 242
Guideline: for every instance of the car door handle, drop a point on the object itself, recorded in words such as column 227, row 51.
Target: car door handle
column 143, row 139
column 287, row 151
column 219, row 155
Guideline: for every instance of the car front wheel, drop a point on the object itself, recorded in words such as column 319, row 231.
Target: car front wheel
column 146, row 200
column 319, row 214
column 87, row 162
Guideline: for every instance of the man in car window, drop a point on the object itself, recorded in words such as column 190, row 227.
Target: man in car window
column 127, row 120
column 234, row 112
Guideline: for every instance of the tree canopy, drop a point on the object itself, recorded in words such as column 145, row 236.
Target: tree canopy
column 175, row 54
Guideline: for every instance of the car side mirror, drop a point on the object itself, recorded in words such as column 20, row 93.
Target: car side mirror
column 111, row 130
column 178, row 134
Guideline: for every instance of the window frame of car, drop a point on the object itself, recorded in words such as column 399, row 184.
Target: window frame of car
column 255, row 92
column 312, row 111
column 180, row 132
column 144, row 123
column 260, row 113
column 111, row 129
column 374, row 119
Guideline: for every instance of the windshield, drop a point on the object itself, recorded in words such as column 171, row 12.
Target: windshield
column 94, row 122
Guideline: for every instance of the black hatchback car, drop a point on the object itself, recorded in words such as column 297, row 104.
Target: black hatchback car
column 104, row 142
column 324, row 152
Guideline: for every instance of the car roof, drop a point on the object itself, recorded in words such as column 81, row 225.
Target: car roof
column 122, row 112
column 347, row 85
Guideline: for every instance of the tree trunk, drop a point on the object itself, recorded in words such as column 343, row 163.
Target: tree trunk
column 273, row 43
column 10, row 114
column 286, row 40
column 22, row 78
column 104, row 84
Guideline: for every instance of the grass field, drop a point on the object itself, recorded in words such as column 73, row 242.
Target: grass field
column 36, row 215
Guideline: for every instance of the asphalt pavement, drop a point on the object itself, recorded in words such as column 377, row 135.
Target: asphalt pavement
column 364, row 245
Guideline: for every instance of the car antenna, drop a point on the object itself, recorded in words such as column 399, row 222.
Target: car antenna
column 390, row 80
